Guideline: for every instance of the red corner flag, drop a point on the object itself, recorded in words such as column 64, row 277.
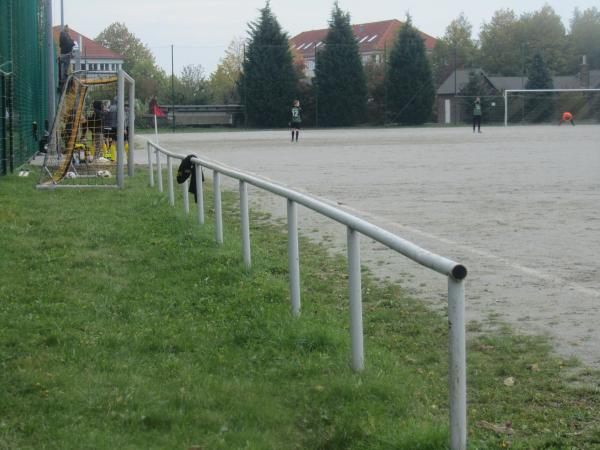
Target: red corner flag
column 158, row 112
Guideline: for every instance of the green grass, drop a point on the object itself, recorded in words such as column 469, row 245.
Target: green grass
column 123, row 325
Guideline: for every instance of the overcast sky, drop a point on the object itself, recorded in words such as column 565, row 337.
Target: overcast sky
column 201, row 30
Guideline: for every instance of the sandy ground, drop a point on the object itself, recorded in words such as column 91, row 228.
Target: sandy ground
column 519, row 206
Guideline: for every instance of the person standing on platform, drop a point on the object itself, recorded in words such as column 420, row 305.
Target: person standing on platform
column 66, row 45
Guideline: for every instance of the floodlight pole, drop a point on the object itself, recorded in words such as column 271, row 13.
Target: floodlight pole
column 172, row 88
column 316, row 92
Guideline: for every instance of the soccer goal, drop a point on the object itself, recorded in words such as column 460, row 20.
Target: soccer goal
column 88, row 144
column 547, row 105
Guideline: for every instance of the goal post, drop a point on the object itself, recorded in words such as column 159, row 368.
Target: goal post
column 507, row 92
column 88, row 143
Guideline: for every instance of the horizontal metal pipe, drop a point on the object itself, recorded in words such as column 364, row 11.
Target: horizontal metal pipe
column 552, row 90
column 424, row 257
column 77, row 186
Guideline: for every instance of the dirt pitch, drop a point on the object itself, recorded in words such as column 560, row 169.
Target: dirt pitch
column 519, row 206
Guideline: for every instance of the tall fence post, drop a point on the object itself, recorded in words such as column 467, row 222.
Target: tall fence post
column 150, row 168
column 170, row 180
column 457, row 371
column 293, row 256
column 199, row 193
column 245, row 223
column 355, row 288
column 186, row 196
column 218, row 212
column 159, row 180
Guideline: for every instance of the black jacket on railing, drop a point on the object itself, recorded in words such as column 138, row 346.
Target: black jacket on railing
column 185, row 170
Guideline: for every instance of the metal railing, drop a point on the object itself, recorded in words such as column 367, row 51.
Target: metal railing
column 455, row 272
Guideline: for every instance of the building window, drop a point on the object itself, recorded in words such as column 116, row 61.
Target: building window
column 310, row 64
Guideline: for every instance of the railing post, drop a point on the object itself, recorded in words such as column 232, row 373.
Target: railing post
column 186, row 196
column 355, row 287
column 457, row 371
column 170, row 180
column 158, row 171
column 245, row 223
column 150, row 169
column 199, row 193
column 293, row 256
column 218, row 212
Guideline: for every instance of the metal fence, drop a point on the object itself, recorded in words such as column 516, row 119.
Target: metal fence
column 23, row 84
column 355, row 226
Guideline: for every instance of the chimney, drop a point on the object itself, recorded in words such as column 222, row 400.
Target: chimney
column 584, row 73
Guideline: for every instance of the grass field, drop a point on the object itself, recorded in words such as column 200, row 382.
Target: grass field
column 123, row 325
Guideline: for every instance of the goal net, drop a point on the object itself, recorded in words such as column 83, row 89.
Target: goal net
column 527, row 106
column 83, row 145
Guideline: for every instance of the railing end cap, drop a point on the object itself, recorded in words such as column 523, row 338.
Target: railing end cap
column 459, row 272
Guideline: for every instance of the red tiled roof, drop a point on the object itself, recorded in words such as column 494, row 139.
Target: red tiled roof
column 374, row 36
column 91, row 49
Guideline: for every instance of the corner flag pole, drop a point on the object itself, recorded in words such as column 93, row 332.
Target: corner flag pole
column 155, row 129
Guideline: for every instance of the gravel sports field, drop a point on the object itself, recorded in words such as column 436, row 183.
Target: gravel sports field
column 519, row 206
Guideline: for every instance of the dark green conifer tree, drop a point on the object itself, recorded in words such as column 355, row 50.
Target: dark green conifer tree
column 539, row 107
column 339, row 76
column 267, row 85
column 539, row 75
column 410, row 90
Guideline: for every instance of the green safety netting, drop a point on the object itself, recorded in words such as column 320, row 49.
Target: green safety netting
column 23, row 87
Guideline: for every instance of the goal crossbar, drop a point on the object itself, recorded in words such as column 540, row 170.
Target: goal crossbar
column 508, row 91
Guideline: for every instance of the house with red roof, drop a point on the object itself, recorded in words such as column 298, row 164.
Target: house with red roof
column 374, row 40
column 94, row 58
